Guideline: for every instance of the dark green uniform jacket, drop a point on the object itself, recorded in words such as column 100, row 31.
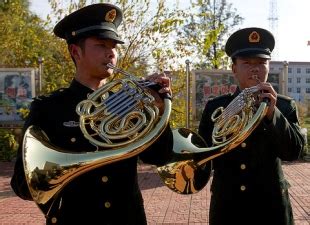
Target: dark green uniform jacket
column 107, row 195
column 248, row 185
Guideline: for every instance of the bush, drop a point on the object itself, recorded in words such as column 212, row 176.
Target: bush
column 8, row 145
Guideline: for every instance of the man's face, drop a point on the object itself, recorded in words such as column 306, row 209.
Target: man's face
column 97, row 53
column 249, row 71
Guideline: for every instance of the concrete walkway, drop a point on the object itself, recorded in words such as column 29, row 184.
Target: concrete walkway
column 162, row 205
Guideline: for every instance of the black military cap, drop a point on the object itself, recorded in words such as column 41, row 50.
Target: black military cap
column 100, row 20
column 250, row 42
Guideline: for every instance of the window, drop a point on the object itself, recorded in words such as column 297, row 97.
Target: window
column 308, row 80
column 307, row 90
column 298, row 90
column 289, row 70
column 290, row 80
column 307, row 70
column 289, row 90
column 298, row 70
column 298, row 80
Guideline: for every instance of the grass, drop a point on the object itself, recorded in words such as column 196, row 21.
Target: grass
column 306, row 124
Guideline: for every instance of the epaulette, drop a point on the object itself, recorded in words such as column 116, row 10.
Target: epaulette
column 220, row 98
column 55, row 94
column 285, row 103
column 284, row 97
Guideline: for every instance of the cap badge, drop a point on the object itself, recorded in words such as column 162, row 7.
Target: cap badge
column 110, row 16
column 254, row 37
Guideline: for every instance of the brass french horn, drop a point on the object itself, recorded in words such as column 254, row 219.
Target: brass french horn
column 121, row 118
column 190, row 167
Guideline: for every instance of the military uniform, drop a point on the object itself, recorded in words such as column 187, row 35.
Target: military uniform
column 248, row 185
column 106, row 195
column 109, row 195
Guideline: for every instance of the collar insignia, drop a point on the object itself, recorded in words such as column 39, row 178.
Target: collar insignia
column 71, row 124
column 110, row 16
column 254, row 37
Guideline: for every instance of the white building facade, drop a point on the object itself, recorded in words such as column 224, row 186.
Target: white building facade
column 294, row 79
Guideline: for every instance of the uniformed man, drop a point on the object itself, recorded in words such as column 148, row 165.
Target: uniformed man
column 248, row 185
column 109, row 194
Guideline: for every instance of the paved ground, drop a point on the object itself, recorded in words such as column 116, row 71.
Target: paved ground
column 162, row 205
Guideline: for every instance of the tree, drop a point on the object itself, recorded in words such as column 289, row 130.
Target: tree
column 207, row 29
column 17, row 36
column 25, row 38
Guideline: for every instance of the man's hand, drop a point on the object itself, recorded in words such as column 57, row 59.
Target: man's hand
column 162, row 80
column 269, row 93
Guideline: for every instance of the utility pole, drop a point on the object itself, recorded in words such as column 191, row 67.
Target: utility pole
column 273, row 24
column 285, row 78
column 187, row 62
column 40, row 61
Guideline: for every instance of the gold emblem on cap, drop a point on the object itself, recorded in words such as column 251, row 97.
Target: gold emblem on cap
column 110, row 16
column 254, row 37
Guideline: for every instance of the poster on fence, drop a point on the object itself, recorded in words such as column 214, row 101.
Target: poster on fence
column 17, row 88
column 209, row 84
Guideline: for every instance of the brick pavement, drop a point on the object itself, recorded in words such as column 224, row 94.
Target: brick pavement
column 162, row 205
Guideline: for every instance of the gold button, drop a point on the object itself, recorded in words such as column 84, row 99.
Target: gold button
column 104, row 179
column 73, row 139
column 107, row 204
column 242, row 166
column 54, row 220
column 242, row 188
column 243, row 145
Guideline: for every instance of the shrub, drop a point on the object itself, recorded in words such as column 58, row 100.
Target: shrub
column 8, row 145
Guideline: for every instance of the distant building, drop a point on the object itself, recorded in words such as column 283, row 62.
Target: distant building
column 296, row 78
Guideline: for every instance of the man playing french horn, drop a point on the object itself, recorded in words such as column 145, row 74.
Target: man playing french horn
column 107, row 194
column 248, row 186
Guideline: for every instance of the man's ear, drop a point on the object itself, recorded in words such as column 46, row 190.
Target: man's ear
column 75, row 51
column 233, row 68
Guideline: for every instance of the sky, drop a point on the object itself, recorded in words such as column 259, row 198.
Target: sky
column 291, row 28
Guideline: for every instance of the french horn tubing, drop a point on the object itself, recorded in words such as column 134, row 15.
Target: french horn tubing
column 190, row 168
column 120, row 118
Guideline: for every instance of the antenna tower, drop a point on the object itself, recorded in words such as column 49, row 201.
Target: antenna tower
column 273, row 24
